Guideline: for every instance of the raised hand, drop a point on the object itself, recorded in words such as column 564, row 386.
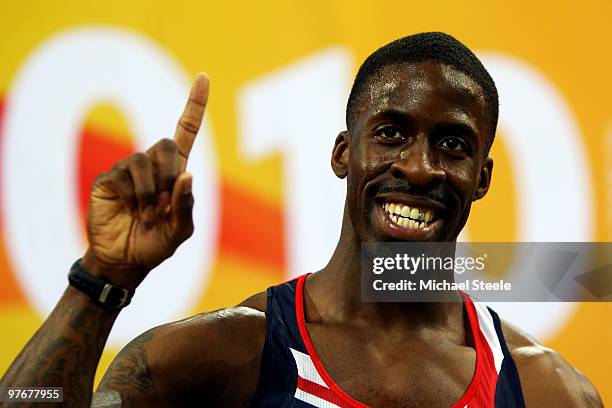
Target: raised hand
column 141, row 211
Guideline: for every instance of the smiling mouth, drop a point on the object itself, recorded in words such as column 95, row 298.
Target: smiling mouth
column 408, row 217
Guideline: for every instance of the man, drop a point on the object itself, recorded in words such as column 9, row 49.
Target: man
column 420, row 122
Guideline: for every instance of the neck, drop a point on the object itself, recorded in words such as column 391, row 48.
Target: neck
column 336, row 290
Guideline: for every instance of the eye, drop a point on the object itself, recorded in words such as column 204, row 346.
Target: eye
column 389, row 132
column 453, row 144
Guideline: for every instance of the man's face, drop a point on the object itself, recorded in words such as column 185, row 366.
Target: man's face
column 415, row 158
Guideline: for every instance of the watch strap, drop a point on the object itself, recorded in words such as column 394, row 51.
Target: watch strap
column 99, row 289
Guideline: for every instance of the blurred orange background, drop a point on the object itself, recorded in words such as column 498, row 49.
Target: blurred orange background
column 256, row 210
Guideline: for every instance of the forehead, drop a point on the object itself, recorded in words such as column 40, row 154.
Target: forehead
column 429, row 85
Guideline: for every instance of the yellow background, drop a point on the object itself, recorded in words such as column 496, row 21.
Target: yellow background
column 236, row 42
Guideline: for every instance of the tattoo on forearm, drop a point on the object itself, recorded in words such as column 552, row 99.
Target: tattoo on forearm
column 65, row 351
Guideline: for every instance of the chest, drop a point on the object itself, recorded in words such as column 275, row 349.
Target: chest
column 409, row 371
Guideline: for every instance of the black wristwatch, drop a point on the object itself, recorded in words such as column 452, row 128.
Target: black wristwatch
column 99, row 289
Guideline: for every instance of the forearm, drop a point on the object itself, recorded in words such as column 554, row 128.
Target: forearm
column 65, row 350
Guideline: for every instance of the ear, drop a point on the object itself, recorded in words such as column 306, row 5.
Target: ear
column 340, row 154
column 484, row 179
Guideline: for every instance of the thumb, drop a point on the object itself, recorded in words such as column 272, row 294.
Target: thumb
column 181, row 207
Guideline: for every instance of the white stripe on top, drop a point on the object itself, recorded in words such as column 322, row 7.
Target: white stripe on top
column 485, row 320
column 306, row 368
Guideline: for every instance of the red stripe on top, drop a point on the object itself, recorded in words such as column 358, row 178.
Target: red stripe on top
column 485, row 393
column 301, row 321
column 480, row 391
column 319, row 391
column 482, row 374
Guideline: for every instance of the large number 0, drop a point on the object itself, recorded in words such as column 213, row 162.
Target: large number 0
column 64, row 78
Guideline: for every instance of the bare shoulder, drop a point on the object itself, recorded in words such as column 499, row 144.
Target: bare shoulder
column 546, row 378
column 192, row 360
column 258, row 301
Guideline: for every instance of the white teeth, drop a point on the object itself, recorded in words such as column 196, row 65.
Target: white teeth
column 414, row 213
column 407, row 216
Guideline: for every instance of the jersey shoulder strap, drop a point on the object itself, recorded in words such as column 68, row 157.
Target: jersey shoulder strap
column 508, row 392
column 278, row 374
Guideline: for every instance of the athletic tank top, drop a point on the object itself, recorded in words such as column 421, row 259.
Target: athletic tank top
column 291, row 374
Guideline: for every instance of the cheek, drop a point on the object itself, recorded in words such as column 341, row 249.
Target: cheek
column 462, row 178
column 373, row 159
column 366, row 163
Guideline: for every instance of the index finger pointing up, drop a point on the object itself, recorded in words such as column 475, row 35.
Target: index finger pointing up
column 191, row 119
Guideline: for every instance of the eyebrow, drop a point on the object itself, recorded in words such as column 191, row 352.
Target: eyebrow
column 458, row 124
column 392, row 114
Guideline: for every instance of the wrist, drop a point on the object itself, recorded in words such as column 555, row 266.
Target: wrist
column 126, row 276
column 99, row 289
column 78, row 299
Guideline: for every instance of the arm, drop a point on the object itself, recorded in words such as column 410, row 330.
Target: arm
column 192, row 362
column 65, row 350
column 550, row 381
column 138, row 214
column 547, row 379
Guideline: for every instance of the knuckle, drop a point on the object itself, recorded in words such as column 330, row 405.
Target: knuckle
column 167, row 145
column 139, row 159
column 121, row 164
column 120, row 174
column 100, row 178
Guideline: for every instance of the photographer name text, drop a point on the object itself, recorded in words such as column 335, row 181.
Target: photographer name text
column 443, row 285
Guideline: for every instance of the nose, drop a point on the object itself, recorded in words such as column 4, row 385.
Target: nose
column 418, row 164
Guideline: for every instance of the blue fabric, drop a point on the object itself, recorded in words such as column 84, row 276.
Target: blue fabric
column 508, row 393
column 278, row 374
